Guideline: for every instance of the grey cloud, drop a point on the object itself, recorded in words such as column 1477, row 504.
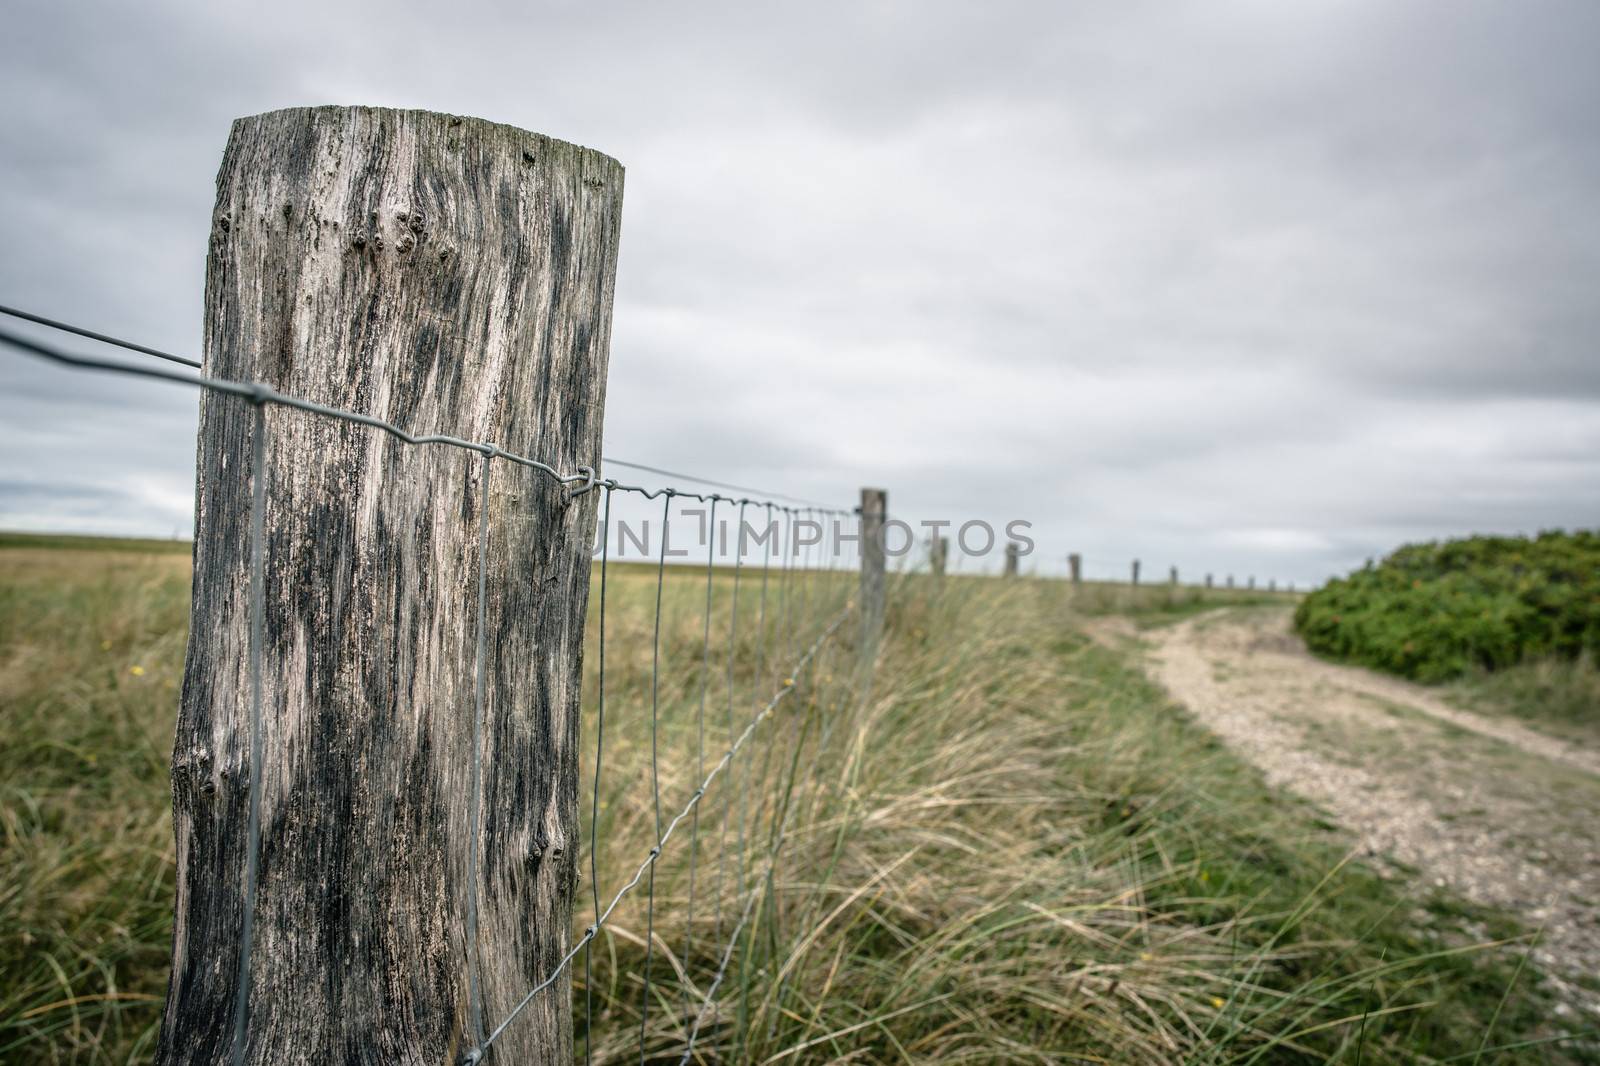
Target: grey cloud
column 1210, row 285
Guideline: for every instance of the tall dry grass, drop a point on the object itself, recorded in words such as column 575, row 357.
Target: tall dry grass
column 1011, row 848
column 1007, row 847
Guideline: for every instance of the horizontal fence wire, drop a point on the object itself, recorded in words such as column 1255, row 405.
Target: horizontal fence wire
column 789, row 612
column 260, row 393
column 1097, row 573
column 718, row 484
column 67, row 327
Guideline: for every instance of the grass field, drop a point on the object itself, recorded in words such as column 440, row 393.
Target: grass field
column 1014, row 850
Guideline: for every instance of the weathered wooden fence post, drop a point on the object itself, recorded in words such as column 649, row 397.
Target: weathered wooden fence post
column 419, row 624
column 938, row 553
column 1013, row 558
column 1075, row 561
column 874, row 509
column 1172, row 577
column 1135, row 571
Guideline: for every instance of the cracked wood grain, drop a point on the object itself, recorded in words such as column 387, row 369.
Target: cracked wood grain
column 449, row 275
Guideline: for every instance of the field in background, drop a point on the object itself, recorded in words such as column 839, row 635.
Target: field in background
column 1014, row 850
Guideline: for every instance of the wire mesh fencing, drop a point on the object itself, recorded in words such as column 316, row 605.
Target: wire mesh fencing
column 739, row 665
column 709, row 671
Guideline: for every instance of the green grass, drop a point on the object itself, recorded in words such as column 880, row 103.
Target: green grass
column 1014, row 849
column 1559, row 696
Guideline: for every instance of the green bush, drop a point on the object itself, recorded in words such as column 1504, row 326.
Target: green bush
column 1434, row 611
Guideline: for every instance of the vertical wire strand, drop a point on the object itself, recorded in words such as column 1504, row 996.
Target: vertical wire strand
column 769, row 534
column 782, row 656
column 806, row 666
column 788, row 588
column 772, row 799
column 729, row 793
column 252, row 852
column 761, row 628
column 782, row 811
column 758, row 683
column 699, row 749
column 819, row 576
column 780, row 661
column 825, row 563
column 824, row 569
column 475, row 800
column 712, row 1004
column 780, row 620
column 594, row 805
column 805, row 580
column 824, row 560
column 802, row 554
column 655, row 773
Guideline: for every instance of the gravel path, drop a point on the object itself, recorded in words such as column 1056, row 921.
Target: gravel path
column 1504, row 815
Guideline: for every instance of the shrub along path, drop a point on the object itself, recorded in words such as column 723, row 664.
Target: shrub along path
column 1503, row 815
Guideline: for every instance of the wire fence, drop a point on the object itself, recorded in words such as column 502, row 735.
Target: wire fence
column 782, row 613
column 699, row 698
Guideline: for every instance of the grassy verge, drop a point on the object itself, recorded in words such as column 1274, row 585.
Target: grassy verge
column 1014, row 849
column 1559, row 696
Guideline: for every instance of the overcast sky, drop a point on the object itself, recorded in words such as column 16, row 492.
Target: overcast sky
column 1261, row 287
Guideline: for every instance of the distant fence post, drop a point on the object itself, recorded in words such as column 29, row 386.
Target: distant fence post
column 1135, row 571
column 938, row 553
column 1230, row 581
column 1075, row 561
column 1172, row 578
column 405, row 674
column 1013, row 557
column 1208, row 581
column 1250, row 582
column 874, row 509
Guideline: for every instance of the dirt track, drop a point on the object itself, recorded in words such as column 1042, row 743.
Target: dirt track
column 1501, row 814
